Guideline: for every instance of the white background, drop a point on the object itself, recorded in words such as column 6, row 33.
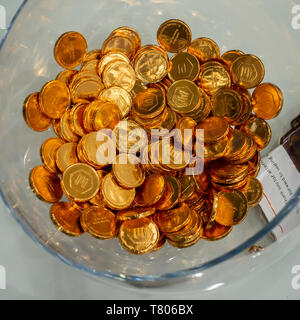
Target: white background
column 32, row 273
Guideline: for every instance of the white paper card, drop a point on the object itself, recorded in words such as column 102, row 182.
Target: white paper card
column 280, row 179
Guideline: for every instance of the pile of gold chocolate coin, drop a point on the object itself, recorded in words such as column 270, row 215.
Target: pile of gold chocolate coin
column 178, row 84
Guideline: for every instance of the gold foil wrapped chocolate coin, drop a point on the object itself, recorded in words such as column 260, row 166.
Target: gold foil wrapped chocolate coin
column 151, row 148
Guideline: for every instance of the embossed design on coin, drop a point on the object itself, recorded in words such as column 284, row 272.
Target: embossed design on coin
column 183, row 96
column 151, row 64
column 204, row 48
column 119, row 74
column 174, row 35
column 119, row 97
column 247, row 71
column 184, row 66
column 99, row 222
column 214, row 77
column 139, row 236
column 227, row 103
column 149, row 103
column 80, row 182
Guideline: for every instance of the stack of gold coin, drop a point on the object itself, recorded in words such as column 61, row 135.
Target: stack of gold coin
column 214, row 76
column 115, row 157
column 151, row 64
column 125, row 40
column 228, row 176
column 216, row 141
column 195, row 200
column 156, row 160
column 189, row 100
column 182, row 226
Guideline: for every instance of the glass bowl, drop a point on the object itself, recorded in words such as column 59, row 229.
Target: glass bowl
column 26, row 58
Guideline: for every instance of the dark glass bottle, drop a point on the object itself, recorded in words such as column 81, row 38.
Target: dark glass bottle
column 291, row 142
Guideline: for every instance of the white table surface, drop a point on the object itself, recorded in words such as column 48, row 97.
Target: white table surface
column 32, row 273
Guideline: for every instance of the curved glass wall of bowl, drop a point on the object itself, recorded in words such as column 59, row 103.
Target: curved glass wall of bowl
column 27, row 62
